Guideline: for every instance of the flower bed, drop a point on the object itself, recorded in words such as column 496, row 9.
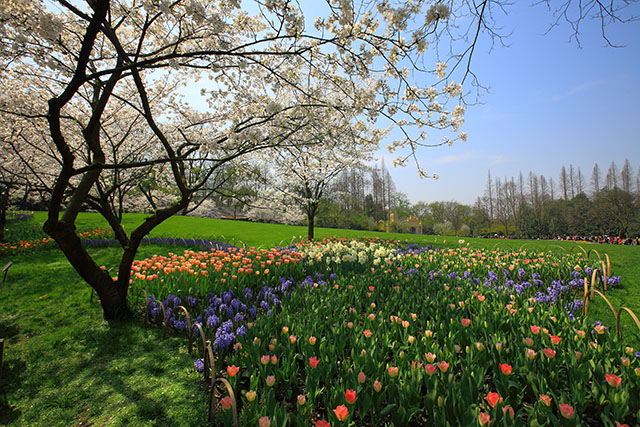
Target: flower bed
column 418, row 337
column 201, row 273
column 30, row 245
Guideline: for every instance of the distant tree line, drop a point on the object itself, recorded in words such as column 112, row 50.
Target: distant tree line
column 360, row 198
column 535, row 206
column 538, row 206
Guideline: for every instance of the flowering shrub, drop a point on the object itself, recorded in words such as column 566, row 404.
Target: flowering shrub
column 461, row 336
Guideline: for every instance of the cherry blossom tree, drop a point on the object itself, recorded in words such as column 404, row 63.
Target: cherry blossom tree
column 25, row 156
column 80, row 64
column 273, row 205
column 331, row 144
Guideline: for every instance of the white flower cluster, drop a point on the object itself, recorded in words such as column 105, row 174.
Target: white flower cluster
column 398, row 18
column 351, row 251
column 50, row 26
column 453, row 89
column 441, row 68
column 275, row 207
column 437, row 11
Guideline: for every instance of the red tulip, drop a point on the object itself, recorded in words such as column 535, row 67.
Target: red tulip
column 544, row 398
column 342, row 412
column 566, row 410
column 484, row 418
column 232, row 370
column 613, row 380
column 493, row 398
column 506, row 369
column 508, row 410
column 350, row 397
column 225, row 402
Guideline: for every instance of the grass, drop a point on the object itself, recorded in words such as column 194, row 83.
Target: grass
column 235, row 232
column 64, row 366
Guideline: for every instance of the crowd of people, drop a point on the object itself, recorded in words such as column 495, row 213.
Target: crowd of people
column 613, row 240
column 604, row 239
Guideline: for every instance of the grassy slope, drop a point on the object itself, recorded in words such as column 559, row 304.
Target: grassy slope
column 249, row 233
column 64, row 366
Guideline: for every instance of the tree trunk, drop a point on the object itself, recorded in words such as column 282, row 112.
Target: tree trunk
column 112, row 294
column 311, row 217
column 23, row 202
column 310, row 220
column 4, row 203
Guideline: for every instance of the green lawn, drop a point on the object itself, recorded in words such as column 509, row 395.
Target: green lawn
column 238, row 232
column 64, row 366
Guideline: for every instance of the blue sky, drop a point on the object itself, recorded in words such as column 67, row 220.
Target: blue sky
column 550, row 104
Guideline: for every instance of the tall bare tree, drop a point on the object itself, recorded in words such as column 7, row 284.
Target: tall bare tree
column 612, row 177
column 626, row 176
column 564, row 183
column 595, row 179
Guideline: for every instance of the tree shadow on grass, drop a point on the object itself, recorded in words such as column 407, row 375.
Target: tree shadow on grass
column 10, row 375
column 116, row 372
column 113, row 340
column 8, row 331
column 10, row 381
column 72, row 367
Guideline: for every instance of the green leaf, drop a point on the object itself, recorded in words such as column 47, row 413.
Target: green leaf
column 388, row 409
